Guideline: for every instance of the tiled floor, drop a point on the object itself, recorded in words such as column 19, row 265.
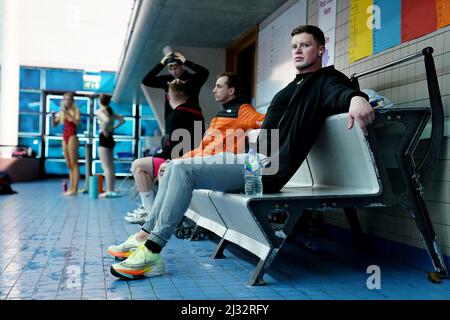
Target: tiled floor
column 54, row 247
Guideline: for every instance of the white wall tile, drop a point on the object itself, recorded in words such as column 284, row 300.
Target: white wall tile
column 420, row 71
column 446, row 63
column 410, row 92
column 438, row 61
column 403, row 74
column 437, row 191
column 447, row 42
column 439, row 44
column 402, row 94
column 445, row 87
column 411, row 72
column 394, row 95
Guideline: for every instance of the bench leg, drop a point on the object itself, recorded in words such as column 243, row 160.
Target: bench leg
column 263, row 264
column 257, row 276
column 199, row 233
column 195, row 233
column 425, row 226
column 355, row 227
column 218, row 254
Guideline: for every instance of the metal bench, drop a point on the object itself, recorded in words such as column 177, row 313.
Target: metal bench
column 344, row 169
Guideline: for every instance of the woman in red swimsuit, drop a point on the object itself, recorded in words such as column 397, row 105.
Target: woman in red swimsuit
column 69, row 115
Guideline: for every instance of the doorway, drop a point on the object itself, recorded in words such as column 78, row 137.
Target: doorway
column 241, row 59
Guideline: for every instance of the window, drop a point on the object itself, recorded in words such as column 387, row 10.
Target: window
column 30, row 78
column 124, row 149
column 149, row 128
column 31, row 142
column 30, row 102
column 65, row 80
column 29, row 123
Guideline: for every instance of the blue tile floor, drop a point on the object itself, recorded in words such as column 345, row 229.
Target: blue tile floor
column 54, row 247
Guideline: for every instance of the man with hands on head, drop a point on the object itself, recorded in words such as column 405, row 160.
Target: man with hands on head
column 176, row 63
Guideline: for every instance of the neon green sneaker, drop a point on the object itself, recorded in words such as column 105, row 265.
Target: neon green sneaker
column 125, row 249
column 141, row 263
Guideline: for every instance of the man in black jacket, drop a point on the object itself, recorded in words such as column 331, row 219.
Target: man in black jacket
column 297, row 112
column 175, row 63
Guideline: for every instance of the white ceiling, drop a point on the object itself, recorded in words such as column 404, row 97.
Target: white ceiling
column 81, row 34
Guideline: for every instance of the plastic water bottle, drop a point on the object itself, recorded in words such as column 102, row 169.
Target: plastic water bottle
column 257, row 177
column 252, row 174
column 248, row 180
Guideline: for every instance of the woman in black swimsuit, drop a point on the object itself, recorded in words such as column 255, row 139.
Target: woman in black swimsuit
column 106, row 119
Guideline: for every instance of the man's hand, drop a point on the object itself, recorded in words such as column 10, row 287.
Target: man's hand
column 360, row 111
column 166, row 57
column 161, row 170
column 179, row 56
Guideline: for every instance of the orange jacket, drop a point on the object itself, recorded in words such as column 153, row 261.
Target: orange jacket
column 231, row 128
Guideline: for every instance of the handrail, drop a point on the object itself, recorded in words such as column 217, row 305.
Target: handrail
column 387, row 65
column 437, row 129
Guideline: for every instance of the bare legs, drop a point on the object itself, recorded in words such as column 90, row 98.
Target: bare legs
column 143, row 173
column 70, row 150
column 143, row 177
column 107, row 160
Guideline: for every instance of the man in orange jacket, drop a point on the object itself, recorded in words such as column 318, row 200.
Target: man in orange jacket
column 226, row 132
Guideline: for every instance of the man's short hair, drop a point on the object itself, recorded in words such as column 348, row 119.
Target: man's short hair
column 105, row 99
column 312, row 30
column 173, row 60
column 178, row 89
column 233, row 81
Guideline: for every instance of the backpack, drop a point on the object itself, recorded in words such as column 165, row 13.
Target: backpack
column 5, row 184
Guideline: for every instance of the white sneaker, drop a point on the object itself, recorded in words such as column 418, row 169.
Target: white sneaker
column 137, row 210
column 137, row 218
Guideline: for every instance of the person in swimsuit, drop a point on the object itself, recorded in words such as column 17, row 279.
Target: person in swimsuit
column 106, row 118
column 69, row 115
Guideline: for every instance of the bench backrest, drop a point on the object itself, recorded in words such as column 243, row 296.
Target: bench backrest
column 340, row 158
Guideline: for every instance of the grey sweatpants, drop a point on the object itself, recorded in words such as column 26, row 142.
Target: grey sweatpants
column 221, row 172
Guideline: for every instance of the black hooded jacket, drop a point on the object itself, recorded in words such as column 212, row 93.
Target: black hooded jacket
column 298, row 112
